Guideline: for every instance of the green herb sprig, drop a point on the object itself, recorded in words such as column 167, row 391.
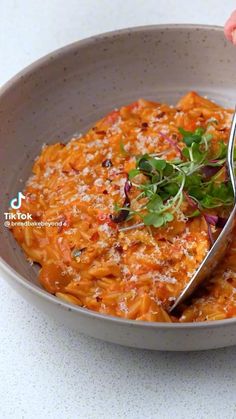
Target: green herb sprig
column 195, row 177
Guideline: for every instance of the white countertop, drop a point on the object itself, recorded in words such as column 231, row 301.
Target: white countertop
column 47, row 371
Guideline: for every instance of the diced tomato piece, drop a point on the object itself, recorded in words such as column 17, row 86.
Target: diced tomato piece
column 52, row 279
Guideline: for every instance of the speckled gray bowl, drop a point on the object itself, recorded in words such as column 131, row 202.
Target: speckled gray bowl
column 65, row 93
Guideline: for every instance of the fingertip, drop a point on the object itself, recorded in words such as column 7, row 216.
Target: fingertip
column 230, row 27
column 227, row 33
column 233, row 35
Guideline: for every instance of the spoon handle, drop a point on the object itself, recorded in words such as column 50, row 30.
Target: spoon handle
column 230, row 154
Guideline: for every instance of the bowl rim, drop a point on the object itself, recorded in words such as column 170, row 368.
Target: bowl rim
column 33, row 288
column 29, row 68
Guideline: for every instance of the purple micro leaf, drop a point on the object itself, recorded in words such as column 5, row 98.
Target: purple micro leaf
column 123, row 214
column 211, row 219
column 172, row 142
column 210, row 171
column 190, row 201
column 210, row 234
column 127, row 187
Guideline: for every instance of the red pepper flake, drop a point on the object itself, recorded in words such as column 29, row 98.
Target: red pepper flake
column 101, row 132
column 118, row 248
column 98, row 299
column 95, row 236
column 160, row 115
column 230, row 280
column 107, row 163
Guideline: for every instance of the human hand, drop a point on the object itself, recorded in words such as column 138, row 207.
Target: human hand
column 230, row 28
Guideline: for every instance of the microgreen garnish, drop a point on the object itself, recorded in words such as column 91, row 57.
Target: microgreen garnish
column 197, row 177
column 192, row 137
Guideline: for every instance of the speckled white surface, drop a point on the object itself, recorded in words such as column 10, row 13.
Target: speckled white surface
column 47, row 371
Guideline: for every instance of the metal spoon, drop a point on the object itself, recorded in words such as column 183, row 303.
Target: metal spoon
column 218, row 249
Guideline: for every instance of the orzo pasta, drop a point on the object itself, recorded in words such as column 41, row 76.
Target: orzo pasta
column 105, row 255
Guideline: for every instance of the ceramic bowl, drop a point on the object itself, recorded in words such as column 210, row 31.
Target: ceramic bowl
column 67, row 91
